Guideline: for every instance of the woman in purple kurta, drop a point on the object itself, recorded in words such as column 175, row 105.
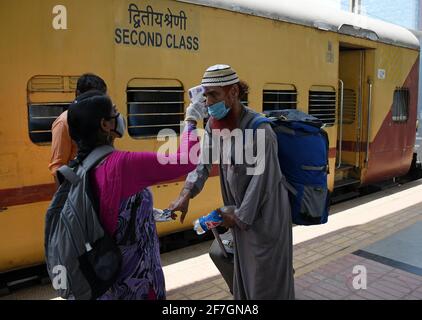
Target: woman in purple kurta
column 117, row 182
column 120, row 183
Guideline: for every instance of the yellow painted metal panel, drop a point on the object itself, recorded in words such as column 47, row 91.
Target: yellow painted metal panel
column 261, row 50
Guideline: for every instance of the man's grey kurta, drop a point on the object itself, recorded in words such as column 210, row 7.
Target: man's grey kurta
column 263, row 267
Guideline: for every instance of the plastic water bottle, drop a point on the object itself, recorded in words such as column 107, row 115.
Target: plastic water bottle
column 197, row 227
column 207, row 222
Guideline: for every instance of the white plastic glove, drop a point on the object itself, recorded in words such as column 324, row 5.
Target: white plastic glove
column 196, row 93
column 197, row 110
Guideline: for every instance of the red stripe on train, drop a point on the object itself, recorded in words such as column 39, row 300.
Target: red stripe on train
column 25, row 195
column 45, row 192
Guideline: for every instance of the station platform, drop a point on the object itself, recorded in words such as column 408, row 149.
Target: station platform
column 378, row 236
column 371, row 249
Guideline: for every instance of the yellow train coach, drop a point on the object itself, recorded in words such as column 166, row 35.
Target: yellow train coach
column 360, row 76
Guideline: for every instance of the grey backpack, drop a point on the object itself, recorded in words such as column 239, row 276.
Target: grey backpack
column 83, row 261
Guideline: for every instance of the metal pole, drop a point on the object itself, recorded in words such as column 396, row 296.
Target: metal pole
column 369, row 120
column 359, row 133
column 341, row 122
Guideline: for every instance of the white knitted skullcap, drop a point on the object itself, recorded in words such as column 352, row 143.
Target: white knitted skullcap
column 219, row 75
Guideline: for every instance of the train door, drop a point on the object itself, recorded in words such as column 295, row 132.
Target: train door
column 350, row 115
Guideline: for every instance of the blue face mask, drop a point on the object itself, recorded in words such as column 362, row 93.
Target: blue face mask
column 218, row 110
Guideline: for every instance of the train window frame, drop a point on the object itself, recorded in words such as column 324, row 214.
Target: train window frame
column 48, row 96
column 145, row 88
column 285, row 95
column 320, row 97
column 401, row 102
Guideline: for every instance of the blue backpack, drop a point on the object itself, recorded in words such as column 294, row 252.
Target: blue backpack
column 303, row 158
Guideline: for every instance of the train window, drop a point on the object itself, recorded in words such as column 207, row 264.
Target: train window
column 401, row 105
column 153, row 105
column 48, row 97
column 41, row 118
column 277, row 96
column 322, row 104
column 349, row 106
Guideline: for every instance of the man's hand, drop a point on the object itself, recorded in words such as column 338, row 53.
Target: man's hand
column 229, row 220
column 181, row 204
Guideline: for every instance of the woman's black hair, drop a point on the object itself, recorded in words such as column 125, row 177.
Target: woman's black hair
column 84, row 120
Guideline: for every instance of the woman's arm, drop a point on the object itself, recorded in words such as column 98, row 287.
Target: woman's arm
column 144, row 169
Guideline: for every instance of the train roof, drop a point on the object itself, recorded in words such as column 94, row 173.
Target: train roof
column 309, row 13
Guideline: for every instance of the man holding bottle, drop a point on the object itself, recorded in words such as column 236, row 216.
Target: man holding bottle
column 260, row 218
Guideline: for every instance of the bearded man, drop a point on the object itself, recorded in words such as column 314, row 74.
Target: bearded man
column 260, row 221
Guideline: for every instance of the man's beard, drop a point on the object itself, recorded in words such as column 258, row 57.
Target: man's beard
column 229, row 122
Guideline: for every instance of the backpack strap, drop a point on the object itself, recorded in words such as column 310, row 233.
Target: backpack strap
column 96, row 156
column 314, row 168
column 253, row 123
column 68, row 174
column 257, row 121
